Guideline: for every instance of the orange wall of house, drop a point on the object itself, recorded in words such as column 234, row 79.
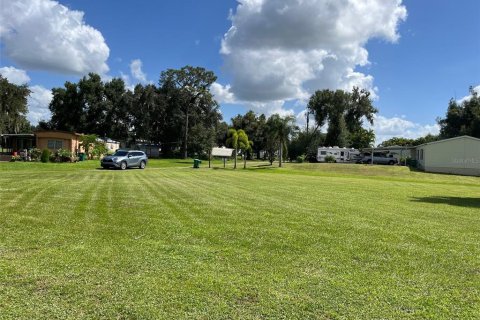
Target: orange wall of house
column 69, row 141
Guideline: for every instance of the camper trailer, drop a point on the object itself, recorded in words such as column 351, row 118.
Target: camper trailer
column 340, row 154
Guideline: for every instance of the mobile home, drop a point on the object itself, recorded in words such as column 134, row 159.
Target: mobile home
column 459, row 155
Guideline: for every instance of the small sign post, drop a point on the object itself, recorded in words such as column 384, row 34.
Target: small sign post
column 224, row 153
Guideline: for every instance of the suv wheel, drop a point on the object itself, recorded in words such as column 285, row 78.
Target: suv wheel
column 123, row 165
column 142, row 165
column 391, row 162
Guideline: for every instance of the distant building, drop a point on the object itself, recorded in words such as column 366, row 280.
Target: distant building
column 111, row 145
column 459, row 155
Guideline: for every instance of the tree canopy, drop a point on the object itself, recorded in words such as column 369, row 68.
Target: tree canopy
column 279, row 131
column 180, row 113
column 255, row 127
column 238, row 140
column 13, row 107
column 345, row 113
column 187, row 91
column 403, row 142
column 462, row 118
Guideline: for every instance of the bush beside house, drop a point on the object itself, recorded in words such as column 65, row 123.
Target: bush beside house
column 45, row 157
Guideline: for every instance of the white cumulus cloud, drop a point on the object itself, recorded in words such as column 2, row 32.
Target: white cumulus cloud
column 39, row 98
column 14, row 75
column 285, row 50
column 467, row 98
column 386, row 128
column 136, row 71
column 222, row 94
column 269, row 108
column 45, row 35
column 38, row 102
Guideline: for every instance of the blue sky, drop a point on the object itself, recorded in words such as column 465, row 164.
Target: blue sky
column 269, row 56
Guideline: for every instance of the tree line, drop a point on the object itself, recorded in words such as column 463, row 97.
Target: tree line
column 462, row 118
column 181, row 115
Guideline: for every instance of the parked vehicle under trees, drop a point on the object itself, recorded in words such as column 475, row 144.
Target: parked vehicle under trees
column 179, row 114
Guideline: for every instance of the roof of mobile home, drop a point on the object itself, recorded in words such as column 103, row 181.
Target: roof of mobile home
column 450, row 139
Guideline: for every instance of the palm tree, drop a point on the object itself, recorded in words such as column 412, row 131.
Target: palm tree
column 245, row 145
column 280, row 131
column 238, row 139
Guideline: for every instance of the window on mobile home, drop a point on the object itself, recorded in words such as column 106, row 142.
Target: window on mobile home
column 55, row 144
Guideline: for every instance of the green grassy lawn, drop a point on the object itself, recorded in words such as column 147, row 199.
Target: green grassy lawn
column 304, row 241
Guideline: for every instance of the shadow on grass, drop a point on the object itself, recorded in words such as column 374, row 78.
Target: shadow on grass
column 117, row 169
column 252, row 168
column 453, row 201
column 262, row 166
column 256, row 168
column 415, row 169
column 186, row 161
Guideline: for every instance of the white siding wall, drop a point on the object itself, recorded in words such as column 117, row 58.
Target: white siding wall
column 458, row 156
column 472, row 154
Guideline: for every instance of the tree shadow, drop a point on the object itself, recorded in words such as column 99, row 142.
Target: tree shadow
column 415, row 169
column 263, row 165
column 260, row 168
column 453, row 201
column 184, row 161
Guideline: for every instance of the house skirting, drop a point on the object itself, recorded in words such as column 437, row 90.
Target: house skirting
column 459, row 171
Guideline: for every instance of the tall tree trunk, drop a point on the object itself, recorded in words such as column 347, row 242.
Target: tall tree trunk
column 235, row 159
column 308, row 120
column 245, row 161
column 185, row 155
column 280, row 156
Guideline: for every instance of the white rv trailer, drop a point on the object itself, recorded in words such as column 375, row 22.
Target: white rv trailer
column 340, row 154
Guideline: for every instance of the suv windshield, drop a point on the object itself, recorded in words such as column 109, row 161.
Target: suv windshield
column 120, row 153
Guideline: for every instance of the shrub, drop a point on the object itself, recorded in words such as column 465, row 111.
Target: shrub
column 99, row 149
column 330, row 159
column 64, row 155
column 403, row 161
column 54, row 157
column 301, row 158
column 15, row 158
column 35, row 154
column 45, row 157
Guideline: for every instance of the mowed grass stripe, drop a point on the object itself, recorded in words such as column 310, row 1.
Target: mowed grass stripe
column 184, row 243
column 165, row 210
